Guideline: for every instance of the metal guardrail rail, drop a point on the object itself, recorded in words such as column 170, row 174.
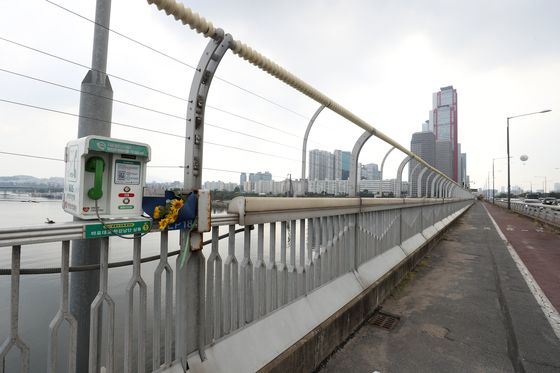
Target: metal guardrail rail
column 27, row 235
column 546, row 213
column 297, row 246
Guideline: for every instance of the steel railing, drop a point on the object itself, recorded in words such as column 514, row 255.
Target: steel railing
column 546, row 213
column 297, row 245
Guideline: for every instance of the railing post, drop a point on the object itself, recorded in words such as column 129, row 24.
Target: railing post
column 428, row 189
column 433, row 187
column 419, row 183
column 191, row 282
column 383, row 161
column 411, row 178
column 353, row 186
column 440, row 187
column 398, row 184
column 449, row 188
column 444, row 188
column 14, row 339
column 62, row 315
column 305, row 137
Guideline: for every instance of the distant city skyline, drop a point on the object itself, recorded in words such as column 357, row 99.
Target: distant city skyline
column 501, row 56
column 438, row 143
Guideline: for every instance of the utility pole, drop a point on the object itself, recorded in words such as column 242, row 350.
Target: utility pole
column 96, row 105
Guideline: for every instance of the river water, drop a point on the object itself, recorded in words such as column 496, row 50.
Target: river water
column 40, row 294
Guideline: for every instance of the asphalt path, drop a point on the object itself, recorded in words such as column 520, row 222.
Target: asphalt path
column 537, row 245
column 466, row 308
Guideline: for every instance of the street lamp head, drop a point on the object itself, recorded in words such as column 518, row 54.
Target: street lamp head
column 507, row 137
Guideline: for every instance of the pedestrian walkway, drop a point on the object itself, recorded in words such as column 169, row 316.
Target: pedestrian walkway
column 466, row 308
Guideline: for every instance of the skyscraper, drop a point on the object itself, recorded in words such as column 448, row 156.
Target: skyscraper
column 242, row 180
column 444, row 160
column 342, row 164
column 463, row 179
column 443, row 122
column 321, row 165
column 262, row 176
column 370, row 171
column 423, row 144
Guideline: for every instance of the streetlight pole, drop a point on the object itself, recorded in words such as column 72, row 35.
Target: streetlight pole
column 508, row 168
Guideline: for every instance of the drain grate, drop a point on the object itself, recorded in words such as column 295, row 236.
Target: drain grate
column 384, row 320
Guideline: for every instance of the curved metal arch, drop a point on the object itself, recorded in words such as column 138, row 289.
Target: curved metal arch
column 414, row 169
column 200, row 86
column 190, row 303
column 428, row 190
column 440, row 187
column 353, row 179
column 383, row 161
column 419, row 183
column 445, row 186
column 452, row 191
column 398, row 183
column 187, row 17
column 305, row 137
column 434, row 183
column 446, row 189
column 410, row 177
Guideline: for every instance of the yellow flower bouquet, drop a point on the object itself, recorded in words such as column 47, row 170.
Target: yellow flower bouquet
column 168, row 214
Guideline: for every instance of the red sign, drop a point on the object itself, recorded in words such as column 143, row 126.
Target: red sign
column 123, row 195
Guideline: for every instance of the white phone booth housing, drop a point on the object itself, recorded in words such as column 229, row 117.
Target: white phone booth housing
column 108, row 171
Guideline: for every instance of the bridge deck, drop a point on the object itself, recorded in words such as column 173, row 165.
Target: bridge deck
column 538, row 247
column 466, row 308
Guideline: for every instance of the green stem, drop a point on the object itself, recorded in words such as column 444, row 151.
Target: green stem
column 186, row 243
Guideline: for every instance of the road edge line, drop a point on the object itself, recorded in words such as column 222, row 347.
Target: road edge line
column 548, row 309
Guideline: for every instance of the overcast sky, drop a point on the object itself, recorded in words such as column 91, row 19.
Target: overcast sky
column 380, row 59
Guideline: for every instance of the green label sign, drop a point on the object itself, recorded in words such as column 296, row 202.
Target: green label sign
column 109, row 146
column 126, row 207
column 111, row 229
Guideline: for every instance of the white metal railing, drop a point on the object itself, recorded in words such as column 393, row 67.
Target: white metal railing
column 546, row 213
column 296, row 246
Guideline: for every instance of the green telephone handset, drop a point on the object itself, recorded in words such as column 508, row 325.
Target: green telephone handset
column 97, row 165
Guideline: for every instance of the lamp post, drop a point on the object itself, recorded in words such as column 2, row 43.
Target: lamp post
column 508, row 169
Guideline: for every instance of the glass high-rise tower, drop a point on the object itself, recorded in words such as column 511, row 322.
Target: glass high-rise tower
column 422, row 144
column 443, row 122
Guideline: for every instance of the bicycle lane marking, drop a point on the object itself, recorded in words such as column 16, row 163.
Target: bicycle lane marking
column 548, row 309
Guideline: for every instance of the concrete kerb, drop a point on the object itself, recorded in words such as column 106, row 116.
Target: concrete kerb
column 412, row 244
column 314, row 348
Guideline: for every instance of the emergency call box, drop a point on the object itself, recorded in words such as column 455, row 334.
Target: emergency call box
column 104, row 177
